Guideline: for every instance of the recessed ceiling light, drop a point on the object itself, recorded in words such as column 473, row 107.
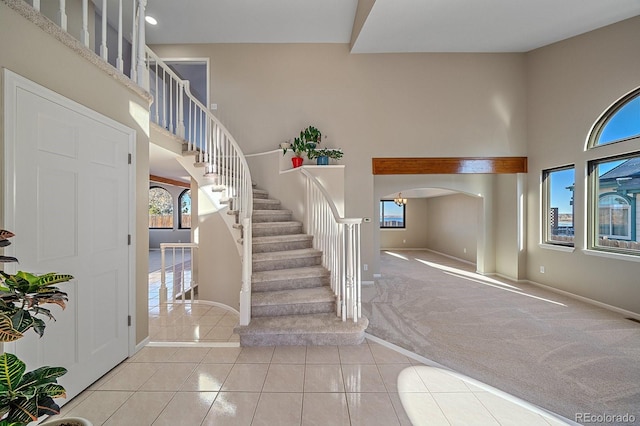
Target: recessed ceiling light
column 151, row 20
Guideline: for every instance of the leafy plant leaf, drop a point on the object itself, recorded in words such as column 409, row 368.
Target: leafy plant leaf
column 7, row 332
column 7, row 259
column 11, row 371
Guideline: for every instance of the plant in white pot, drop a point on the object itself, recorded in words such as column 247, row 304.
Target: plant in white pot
column 27, row 396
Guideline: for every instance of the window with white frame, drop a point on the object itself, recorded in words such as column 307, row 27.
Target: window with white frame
column 558, row 206
column 614, row 180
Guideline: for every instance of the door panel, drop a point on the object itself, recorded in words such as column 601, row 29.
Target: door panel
column 70, row 214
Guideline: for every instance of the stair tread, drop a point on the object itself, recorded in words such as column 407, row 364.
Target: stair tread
column 271, row 211
column 281, row 238
column 287, row 254
column 293, row 297
column 265, row 201
column 293, row 273
column 327, row 323
column 283, row 224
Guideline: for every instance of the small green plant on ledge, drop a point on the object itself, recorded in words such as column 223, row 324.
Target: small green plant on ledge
column 24, row 397
column 335, row 154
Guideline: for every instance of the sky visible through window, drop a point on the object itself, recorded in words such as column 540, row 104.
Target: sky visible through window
column 623, row 124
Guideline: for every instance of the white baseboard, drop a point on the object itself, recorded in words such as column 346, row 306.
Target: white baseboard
column 586, row 300
column 140, row 345
column 452, row 257
column 367, row 282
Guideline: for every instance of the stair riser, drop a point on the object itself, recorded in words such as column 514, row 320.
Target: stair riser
column 302, row 339
column 260, row 195
column 293, row 284
column 276, row 230
column 275, row 217
column 299, row 262
column 294, row 309
column 281, row 246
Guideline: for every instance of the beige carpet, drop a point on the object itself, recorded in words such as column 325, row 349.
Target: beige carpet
column 561, row 354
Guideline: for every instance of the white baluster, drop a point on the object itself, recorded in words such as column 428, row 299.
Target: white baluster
column 84, row 35
column 134, row 53
column 36, row 5
column 181, row 115
column 104, row 51
column 163, row 276
column 142, row 79
column 119, row 61
column 62, row 15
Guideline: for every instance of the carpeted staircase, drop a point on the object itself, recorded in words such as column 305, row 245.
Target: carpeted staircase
column 291, row 301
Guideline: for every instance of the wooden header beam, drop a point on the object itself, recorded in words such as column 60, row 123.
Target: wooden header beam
column 154, row 178
column 448, row 165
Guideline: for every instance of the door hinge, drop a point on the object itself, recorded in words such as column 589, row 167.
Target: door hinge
column 129, row 158
column 129, row 239
column 129, row 320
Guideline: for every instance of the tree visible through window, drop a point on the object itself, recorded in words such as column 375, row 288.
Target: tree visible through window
column 185, row 209
column 160, row 208
column 391, row 215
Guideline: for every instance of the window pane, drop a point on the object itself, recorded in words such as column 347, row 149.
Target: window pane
column 185, row 209
column 616, row 188
column 160, row 208
column 623, row 124
column 559, row 217
column 391, row 215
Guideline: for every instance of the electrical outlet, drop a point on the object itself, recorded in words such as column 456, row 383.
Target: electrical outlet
column 464, row 250
column 365, row 267
column 404, row 241
column 542, row 269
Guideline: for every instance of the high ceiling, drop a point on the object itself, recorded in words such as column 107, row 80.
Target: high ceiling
column 383, row 26
column 390, row 25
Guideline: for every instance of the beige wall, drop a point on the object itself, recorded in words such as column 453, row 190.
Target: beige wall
column 30, row 52
column 453, row 225
column 569, row 85
column 414, row 235
column 371, row 105
column 219, row 266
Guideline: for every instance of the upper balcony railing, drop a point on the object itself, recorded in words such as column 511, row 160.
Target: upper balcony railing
column 119, row 36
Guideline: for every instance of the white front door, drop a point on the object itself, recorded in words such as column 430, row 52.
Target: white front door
column 67, row 201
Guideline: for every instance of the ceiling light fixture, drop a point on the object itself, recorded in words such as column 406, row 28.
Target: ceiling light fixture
column 399, row 200
column 151, row 20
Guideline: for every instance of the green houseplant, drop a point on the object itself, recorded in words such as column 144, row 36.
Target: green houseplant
column 299, row 147
column 26, row 396
column 311, row 136
column 323, row 155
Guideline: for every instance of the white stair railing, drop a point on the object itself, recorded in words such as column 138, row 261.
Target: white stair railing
column 339, row 240
column 177, row 271
column 178, row 111
column 135, row 37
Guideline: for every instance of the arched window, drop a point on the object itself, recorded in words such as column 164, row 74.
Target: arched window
column 614, row 220
column 160, row 208
column 184, row 201
column 620, row 122
column 614, row 178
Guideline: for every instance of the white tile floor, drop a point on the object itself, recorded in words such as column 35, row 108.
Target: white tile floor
column 196, row 374
column 368, row 384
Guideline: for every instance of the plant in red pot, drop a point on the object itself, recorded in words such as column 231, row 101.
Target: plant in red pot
column 299, row 147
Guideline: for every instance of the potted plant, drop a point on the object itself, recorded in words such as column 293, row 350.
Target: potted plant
column 312, row 136
column 323, row 155
column 26, row 396
column 299, row 147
